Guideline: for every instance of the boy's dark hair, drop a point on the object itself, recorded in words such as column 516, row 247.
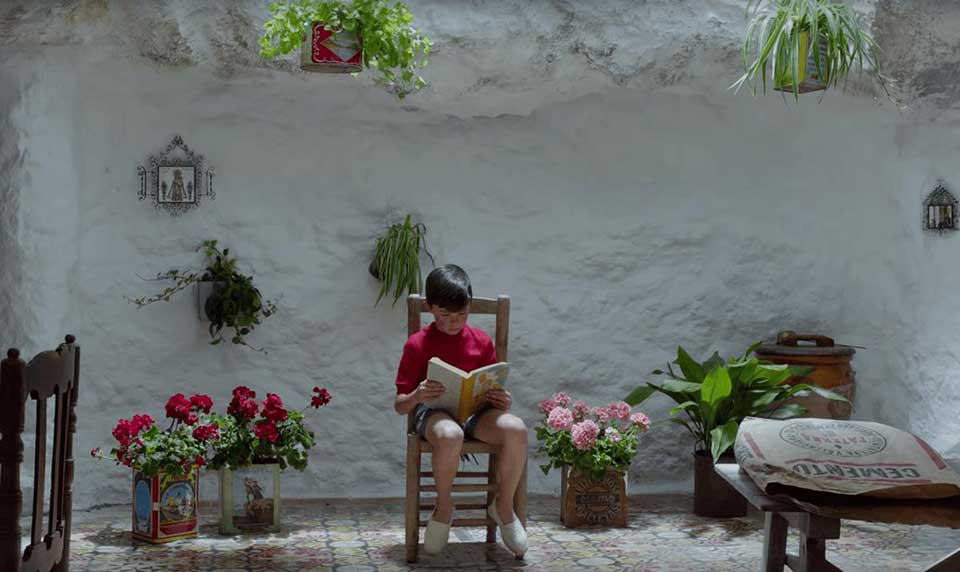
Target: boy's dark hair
column 448, row 287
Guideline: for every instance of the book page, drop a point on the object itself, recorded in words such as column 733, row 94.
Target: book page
column 452, row 380
column 480, row 381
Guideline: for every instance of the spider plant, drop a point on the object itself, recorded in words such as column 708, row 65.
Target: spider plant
column 807, row 44
column 396, row 259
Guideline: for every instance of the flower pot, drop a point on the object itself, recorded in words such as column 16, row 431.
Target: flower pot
column 712, row 496
column 250, row 499
column 831, row 370
column 207, row 298
column 809, row 79
column 165, row 507
column 585, row 502
column 330, row 51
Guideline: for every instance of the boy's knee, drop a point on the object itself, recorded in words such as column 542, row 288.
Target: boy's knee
column 514, row 428
column 448, row 435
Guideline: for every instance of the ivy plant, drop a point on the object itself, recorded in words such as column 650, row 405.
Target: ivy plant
column 396, row 259
column 391, row 46
column 235, row 302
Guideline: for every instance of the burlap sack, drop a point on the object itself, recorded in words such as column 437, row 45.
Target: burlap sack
column 843, row 457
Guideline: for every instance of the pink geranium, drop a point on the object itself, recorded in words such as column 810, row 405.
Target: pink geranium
column 560, row 419
column 561, row 399
column 601, row 413
column 580, row 410
column 584, row 434
column 640, row 420
column 619, row 410
column 546, row 405
column 613, row 434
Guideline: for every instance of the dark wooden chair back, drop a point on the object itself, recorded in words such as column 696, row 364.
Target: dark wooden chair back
column 51, row 377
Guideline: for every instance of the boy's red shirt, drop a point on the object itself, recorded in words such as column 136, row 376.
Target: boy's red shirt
column 468, row 350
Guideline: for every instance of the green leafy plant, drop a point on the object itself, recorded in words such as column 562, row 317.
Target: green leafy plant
column 276, row 435
column 714, row 396
column 144, row 446
column 782, row 34
column 235, row 302
column 396, row 259
column 391, row 46
column 591, row 440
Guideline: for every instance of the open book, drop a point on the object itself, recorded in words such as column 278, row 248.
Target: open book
column 464, row 390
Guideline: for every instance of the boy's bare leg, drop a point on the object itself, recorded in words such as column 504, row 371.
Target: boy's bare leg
column 446, row 438
column 499, row 427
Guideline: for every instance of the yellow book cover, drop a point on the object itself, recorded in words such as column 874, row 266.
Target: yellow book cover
column 463, row 391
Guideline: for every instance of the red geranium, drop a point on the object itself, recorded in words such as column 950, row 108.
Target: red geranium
column 201, row 403
column 243, row 406
column 265, row 430
column 205, row 432
column 321, row 398
column 273, row 408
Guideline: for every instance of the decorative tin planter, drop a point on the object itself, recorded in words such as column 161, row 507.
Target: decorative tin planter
column 329, row 51
column 165, row 507
column 587, row 502
column 250, row 499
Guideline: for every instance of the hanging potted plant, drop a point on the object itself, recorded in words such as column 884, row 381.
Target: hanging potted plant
column 345, row 36
column 165, row 466
column 396, row 259
column 803, row 45
column 228, row 298
column 713, row 397
column 255, row 442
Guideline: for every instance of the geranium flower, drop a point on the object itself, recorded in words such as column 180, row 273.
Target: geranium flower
column 561, row 398
column 273, row 408
column 178, row 407
column 640, row 420
column 205, row 432
column 613, row 434
column 546, row 406
column 601, row 413
column 580, row 410
column 584, row 434
column 560, row 418
column 619, row 410
column 201, row 403
column 266, row 431
column 321, row 398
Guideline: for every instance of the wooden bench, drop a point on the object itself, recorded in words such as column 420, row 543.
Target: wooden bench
column 51, row 378
column 816, row 516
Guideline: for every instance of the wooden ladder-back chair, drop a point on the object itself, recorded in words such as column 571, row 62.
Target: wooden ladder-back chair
column 51, row 376
column 499, row 307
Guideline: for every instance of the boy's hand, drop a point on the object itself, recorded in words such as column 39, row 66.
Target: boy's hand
column 499, row 399
column 429, row 389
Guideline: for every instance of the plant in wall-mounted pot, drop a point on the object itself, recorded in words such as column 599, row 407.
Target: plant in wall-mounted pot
column 345, row 36
column 396, row 259
column 233, row 302
column 803, row 46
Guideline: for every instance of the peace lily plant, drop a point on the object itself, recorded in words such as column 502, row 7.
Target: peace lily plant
column 804, row 45
column 714, row 396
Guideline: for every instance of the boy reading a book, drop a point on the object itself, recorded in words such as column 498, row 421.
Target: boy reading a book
column 448, row 294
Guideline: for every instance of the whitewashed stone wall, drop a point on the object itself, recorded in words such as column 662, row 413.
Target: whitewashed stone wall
column 620, row 195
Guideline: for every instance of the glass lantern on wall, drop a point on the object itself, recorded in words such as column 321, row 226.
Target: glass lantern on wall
column 940, row 210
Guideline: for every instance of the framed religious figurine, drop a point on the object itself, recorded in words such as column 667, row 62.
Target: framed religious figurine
column 176, row 180
column 940, row 212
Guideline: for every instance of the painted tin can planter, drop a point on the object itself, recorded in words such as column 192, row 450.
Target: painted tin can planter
column 585, row 502
column 165, row 507
column 329, row 51
column 250, row 499
column 809, row 79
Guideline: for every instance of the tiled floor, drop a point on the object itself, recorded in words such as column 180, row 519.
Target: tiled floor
column 345, row 536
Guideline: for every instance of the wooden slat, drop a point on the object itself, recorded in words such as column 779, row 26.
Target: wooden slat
column 56, row 471
column 460, row 474
column 741, row 481
column 774, row 543
column 457, row 487
column 39, row 468
column 469, row 446
column 12, row 413
column 463, row 522
column 412, row 501
column 502, row 327
column 429, row 506
column 67, row 499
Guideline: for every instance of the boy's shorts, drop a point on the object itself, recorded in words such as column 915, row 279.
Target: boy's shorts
column 422, row 413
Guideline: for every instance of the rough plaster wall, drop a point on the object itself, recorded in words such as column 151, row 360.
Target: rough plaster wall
column 587, row 162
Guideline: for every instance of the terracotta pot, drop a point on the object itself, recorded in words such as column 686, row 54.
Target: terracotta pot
column 331, row 51
column 586, row 502
column 712, row 496
column 831, row 370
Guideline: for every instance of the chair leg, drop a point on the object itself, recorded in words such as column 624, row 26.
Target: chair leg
column 491, row 495
column 520, row 497
column 774, row 543
column 412, row 501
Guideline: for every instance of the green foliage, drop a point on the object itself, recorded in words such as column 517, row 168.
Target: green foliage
column 238, row 446
column 779, row 32
column 235, row 302
column 594, row 463
column 391, row 46
column 170, row 452
column 713, row 397
column 396, row 259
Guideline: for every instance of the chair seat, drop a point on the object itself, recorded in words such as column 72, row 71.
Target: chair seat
column 469, row 446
